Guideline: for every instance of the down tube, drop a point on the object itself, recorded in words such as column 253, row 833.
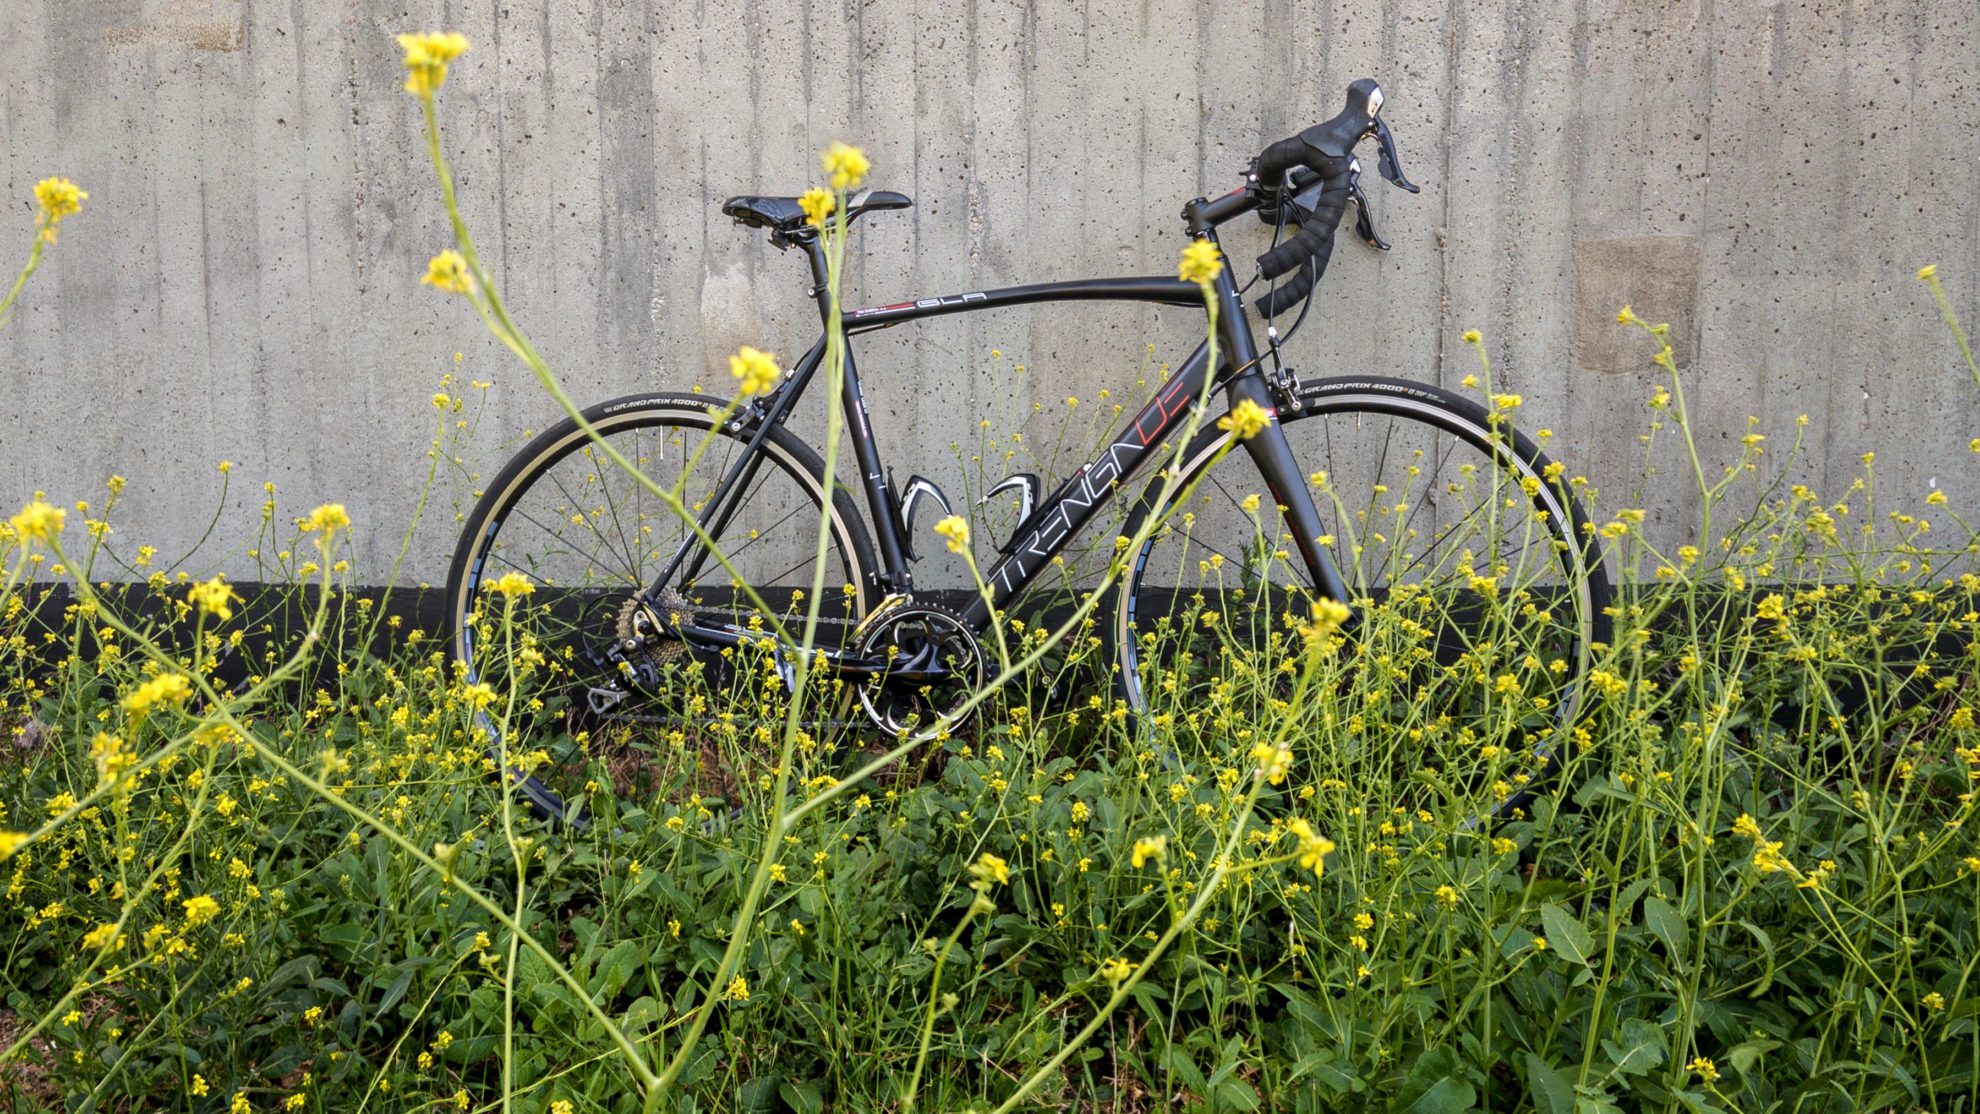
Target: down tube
column 1042, row 536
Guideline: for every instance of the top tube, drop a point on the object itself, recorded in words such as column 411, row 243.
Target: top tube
column 1158, row 289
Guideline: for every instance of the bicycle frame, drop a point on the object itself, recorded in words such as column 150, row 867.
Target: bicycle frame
column 1053, row 523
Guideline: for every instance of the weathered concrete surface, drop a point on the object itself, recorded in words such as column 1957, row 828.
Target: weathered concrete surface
column 243, row 284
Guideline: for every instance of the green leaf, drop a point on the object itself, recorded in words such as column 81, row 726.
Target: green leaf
column 1552, row 1093
column 804, row 1097
column 1668, row 925
column 1642, row 1047
column 1237, row 1095
column 1565, row 934
column 1434, row 1086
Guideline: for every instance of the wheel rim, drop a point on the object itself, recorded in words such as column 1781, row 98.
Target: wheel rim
column 1378, row 452
column 589, row 537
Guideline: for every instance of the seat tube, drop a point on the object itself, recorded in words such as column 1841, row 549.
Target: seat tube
column 1270, row 452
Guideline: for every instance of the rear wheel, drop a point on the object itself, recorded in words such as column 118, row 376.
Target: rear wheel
column 594, row 540
column 1479, row 586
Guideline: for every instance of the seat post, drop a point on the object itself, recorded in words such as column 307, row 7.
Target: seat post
column 821, row 274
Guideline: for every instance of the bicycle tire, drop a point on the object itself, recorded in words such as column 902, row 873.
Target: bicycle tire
column 584, row 579
column 1362, row 436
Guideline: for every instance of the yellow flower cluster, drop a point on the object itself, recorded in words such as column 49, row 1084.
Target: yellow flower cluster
column 511, row 585
column 845, row 165
column 427, row 56
column 58, row 198
column 756, row 371
column 1313, row 847
column 955, row 532
column 326, row 519
column 1201, row 262
column 1246, row 420
column 1153, row 848
column 214, row 598
column 818, row 206
column 1274, row 762
column 448, row 271
column 37, row 522
column 167, row 688
column 200, row 910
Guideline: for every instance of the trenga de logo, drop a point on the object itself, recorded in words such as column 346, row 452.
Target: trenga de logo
column 1092, row 485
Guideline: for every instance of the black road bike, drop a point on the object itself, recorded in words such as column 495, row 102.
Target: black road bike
column 1380, row 485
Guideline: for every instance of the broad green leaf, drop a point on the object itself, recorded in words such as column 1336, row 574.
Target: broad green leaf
column 1552, row 1092
column 1565, row 934
column 1668, row 925
column 1642, row 1047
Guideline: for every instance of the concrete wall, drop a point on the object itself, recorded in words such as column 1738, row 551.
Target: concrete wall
column 243, row 283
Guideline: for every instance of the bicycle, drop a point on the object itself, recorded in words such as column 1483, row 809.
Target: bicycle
column 1417, row 478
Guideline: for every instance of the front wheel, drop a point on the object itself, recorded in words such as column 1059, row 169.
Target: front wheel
column 595, row 542
column 1477, row 581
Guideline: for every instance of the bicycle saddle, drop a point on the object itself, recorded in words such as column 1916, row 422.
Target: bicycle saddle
column 785, row 215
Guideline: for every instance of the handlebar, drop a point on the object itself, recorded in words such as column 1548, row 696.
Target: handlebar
column 1319, row 164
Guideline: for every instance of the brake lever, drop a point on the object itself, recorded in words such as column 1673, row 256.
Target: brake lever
column 1386, row 160
column 1364, row 223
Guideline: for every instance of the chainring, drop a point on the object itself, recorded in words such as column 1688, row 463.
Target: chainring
column 940, row 664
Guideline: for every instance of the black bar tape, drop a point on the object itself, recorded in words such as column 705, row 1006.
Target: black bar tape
column 1279, row 158
column 1288, row 294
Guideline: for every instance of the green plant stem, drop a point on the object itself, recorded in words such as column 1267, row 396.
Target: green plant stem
column 33, row 264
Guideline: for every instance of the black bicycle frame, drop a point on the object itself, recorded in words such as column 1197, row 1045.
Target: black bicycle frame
column 1045, row 533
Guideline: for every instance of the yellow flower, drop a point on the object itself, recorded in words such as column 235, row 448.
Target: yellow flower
column 213, row 597
column 845, row 165
column 58, row 198
column 1936, row 499
column 738, row 989
column 1627, row 316
column 201, row 909
column 1704, row 1068
column 1313, row 847
column 562, row 1106
column 1925, row 273
column 166, row 688
column 11, row 842
column 1746, row 826
column 1539, row 943
column 1116, row 970
column 955, row 532
column 990, row 868
column 297, row 1101
column 199, row 1086
column 328, row 519
column 102, row 936
column 1933, row 1002
column 1772, row 607
column 38, row 521
column 818, row 206
column 1152, row 847
column 1201, row 262
column 427, row 56
column 755, row 370
column 1507, row 402
column 1250, row 503
column 449, row 271
column 1246, row 420
column 1448, row 896
column 1767, row 858
column 240, row 1104
column 113, row 758
column 1472, row 336
column 1274, row 762
column 512, row 585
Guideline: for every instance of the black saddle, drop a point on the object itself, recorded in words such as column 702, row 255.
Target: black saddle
column 785, row 214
